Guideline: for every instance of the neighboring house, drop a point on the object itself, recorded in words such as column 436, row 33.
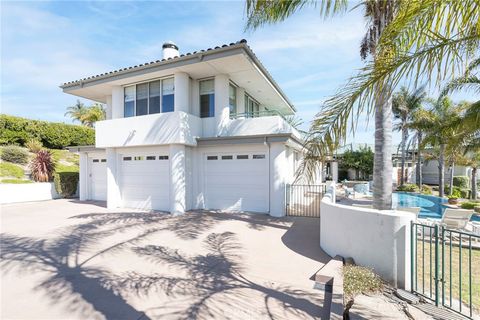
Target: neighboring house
column 202, row 130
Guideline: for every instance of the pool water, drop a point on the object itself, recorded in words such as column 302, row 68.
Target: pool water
column 431, row 206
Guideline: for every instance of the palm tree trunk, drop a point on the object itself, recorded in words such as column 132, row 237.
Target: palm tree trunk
column 452, row 168
column 382, row 164
column 474, row 183
column 441, row 173
column 404, row 142
column 419, row 160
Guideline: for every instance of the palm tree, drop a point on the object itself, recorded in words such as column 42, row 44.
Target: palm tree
column 420, row 123
column 404, row 104
column 439, row 124
column 94, row 113
column 77, row 111
column 378, row 15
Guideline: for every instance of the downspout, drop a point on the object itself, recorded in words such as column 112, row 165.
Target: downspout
column 267, row 144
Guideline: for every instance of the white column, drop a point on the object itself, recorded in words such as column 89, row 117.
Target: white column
column 334, row 169
column 113, row 188
column 278, row 170
column 178, row 192
column 222, row 111
column 117, row 102
column 241, row 100
column 108, row 111
column 182, row 92
column 83, row 177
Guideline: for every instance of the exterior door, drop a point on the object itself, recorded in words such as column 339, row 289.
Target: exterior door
column 98, row 178
column 237, row 181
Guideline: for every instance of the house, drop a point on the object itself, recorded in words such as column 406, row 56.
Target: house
column 202, row 130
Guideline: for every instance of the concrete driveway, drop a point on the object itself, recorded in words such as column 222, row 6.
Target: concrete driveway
column 65, row 259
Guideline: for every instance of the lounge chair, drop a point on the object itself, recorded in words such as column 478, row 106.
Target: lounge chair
column 415, row 210
column 349, row 192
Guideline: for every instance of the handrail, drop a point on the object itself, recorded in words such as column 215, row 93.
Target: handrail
column 256, row 114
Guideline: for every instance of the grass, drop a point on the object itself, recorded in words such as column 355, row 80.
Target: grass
column 8, row 169
column 64, row 156
column 64, row 168
column 426, row 261
column 358, row 280
column 16, row 181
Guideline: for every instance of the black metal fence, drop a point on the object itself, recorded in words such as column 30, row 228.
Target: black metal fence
column 304, row 200
column 445, row 267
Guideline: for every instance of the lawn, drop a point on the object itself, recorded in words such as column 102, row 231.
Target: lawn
column 8, row 169
column 452, row 273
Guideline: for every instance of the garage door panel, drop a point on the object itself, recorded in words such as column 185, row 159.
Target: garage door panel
column 98, row 179
column 236, row 184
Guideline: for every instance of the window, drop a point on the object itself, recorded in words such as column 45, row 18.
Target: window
column 162, row 157
column 150, row 158
column 207, row 99
column 227, row 157
column 127, row 158
column 138, row 158
column 242, row 156
column 95, row 160
column 149, row 98
column 154, row 97
column 212, row 158
column 232, row 98
column 103, row 160
column 168, row 95
column 141, row 105
column 129, row 106
column 251, row 106
column 258, row 156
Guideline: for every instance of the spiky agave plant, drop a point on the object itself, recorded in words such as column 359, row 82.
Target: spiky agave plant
column 42, row 166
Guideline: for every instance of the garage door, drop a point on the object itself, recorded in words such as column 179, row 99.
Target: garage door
column 98, row 179
column 144, row 181
column 237, row 181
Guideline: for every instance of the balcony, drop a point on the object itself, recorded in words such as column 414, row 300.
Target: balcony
column 153, row 129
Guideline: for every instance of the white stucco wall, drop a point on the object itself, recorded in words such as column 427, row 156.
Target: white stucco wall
column 11, row 193
column 373, row 238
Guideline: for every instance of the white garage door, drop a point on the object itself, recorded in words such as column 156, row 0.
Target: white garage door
column 237, row 181
column 98, row 179
column 144, row 181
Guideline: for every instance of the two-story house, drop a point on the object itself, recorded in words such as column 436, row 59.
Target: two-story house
column 202, row 130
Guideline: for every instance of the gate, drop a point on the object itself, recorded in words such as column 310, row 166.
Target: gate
column 445, row 267
column 303, row 200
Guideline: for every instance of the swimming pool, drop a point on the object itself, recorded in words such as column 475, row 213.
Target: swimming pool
column 431, row 206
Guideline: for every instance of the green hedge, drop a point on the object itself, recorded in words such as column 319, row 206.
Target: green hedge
column 463, row 182
column 470, row 204
column 66, row 183
column 459, row 192
column 14, row 154
column 408, row 187
column 16, row 130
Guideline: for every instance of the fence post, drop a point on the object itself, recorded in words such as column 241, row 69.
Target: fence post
column 287, row 198
column 412, row 255
column 436, row 265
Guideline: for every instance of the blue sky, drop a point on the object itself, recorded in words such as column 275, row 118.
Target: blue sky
column 44, row 44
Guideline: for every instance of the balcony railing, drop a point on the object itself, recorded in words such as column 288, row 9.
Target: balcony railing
column 257, row 114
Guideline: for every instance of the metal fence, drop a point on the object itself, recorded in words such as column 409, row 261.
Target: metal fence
column 445, row 267
column 303, row 200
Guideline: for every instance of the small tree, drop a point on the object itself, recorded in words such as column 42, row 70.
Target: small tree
column 42, row 166
column 361, row 160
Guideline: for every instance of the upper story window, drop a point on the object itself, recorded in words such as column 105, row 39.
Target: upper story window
column 232, row 98
column 207, row 98
column 149, row 97
column 251, row 106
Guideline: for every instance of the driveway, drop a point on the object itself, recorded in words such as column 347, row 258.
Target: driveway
column 65, row 259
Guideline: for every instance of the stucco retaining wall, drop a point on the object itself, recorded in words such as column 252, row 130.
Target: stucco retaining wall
column 376, row 239
column 11, row 193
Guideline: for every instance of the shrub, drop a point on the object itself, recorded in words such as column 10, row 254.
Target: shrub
column 42, row 166
column 408, row 187
column 10, row 170
column 14, row 154
column 459, row 192
column 66, row 183
column 16, row 130
column 358, row 280
column 469, row 205
column 427, row 189
column 34, row 145
column 463, row 182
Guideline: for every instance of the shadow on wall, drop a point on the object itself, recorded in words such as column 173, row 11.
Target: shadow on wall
column 212, row 281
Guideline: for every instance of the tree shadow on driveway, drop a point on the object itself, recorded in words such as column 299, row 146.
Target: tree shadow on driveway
column 214, row 285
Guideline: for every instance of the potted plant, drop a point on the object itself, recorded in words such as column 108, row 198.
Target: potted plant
column 476, row 209
column 452, row 199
